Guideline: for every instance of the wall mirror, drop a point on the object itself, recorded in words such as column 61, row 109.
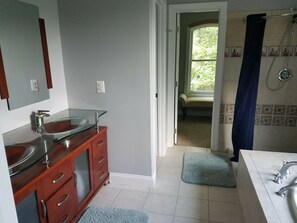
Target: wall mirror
column 22, row 54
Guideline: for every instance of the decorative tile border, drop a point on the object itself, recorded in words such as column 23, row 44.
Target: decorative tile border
column 290, row 121
column 291, row 110
column 267, row 109
column 279, row 110
column 270, row 51
column 266, row 115
column 278, row 121
column 229, row 108
column 258, row 109
column 266, row 120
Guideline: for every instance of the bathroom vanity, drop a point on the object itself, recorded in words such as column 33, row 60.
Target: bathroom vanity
column 67, row 167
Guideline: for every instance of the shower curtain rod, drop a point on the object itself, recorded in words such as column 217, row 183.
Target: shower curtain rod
column 293, row 11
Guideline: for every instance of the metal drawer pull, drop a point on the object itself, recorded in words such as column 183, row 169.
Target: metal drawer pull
column 58, row 178
column 101, row 160
column 100, row 143
column 44, row 211
column 66, row 218
column 63, row 200
column 102, row 175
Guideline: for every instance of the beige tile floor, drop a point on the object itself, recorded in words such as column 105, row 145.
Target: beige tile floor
column 173, row 201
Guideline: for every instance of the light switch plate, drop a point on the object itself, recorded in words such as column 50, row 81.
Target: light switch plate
column 34, row 85
column 100, row 87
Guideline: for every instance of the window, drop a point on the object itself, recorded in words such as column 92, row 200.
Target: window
column 202, row 60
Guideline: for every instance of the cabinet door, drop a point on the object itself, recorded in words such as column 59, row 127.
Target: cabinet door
column 83, row 175
column 28, row 205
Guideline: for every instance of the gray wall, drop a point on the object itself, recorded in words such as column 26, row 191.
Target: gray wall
column 246, row 5
column 109, row 40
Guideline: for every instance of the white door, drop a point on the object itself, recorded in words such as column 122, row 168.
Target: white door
column 157, row 79
column 176, row 76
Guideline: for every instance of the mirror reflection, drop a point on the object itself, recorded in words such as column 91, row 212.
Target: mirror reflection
column 22, row 54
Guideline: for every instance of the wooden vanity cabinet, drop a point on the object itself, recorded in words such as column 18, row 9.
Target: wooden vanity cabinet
column 100, row 160
column 61, row 193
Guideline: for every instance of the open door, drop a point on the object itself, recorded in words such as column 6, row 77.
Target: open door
column 173, row 58
column 176, row 76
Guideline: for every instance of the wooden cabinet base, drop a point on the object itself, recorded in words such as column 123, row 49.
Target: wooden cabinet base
column 65, row 188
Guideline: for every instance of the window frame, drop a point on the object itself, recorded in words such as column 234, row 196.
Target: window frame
column 191, row 29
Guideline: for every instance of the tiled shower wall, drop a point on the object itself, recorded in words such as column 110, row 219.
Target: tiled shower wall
column 276, row 113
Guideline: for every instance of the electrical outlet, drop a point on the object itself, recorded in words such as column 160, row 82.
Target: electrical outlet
column 34, row 85
column 100, row 87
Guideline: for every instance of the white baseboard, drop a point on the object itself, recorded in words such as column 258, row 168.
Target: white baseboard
column 132, row 180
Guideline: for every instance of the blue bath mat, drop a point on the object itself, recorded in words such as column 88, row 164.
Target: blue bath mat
column 208, row 169
column 112, row 215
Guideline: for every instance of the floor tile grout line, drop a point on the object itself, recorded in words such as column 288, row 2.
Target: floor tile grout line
column 116, row 197
column 145, row 199
column 177, row 198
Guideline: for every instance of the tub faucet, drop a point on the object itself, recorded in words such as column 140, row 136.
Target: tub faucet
column 282, row 191
column 40, row 120
column 284, row 171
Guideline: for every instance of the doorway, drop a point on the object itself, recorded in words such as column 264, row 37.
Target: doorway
column 173, row 66
column 157, row 81
column 198, row 35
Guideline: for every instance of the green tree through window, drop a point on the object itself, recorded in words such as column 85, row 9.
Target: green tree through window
column 204, row 39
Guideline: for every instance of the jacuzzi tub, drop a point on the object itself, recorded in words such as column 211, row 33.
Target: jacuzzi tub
column 257, row 190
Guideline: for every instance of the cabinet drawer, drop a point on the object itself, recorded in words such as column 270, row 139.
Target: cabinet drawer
column 99, row 160
column 68, row 215
column 62, row 202
column 99, row 145
column 56, row 178
column 100, row 175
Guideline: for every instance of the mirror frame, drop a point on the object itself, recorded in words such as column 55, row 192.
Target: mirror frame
column 45, row 54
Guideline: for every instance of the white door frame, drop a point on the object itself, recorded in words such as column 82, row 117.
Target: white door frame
column 162, row 78
column 158, row 119
column 221, row 7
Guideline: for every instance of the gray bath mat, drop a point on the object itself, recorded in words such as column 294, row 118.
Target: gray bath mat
column 112, row 215
column 208, row 169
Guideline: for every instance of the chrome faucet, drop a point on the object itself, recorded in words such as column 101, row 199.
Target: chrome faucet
column 282, row 191
column 39, row 116
column 284, row 171
column 97, row 121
